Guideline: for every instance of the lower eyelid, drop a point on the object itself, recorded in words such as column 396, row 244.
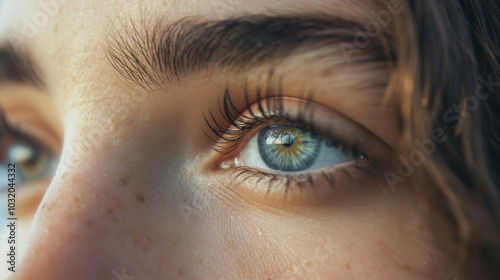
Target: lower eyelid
column 319, row 188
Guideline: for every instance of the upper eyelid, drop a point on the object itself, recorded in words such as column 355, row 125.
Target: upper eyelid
column 33, row 133
column 344, row 130
column 17, row 66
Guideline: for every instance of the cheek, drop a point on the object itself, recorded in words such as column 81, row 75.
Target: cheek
column 384, row 238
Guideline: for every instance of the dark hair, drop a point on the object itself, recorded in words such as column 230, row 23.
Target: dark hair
column 447, row 79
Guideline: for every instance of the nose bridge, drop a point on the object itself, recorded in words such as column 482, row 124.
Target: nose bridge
column 79, row 222
column 96, row 211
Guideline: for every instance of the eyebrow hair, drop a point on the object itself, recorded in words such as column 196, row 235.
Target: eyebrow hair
column 169, row 52
column 17, row 66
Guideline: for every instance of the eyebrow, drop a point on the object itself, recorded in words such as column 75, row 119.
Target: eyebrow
column 17, row 66
column 149, row 57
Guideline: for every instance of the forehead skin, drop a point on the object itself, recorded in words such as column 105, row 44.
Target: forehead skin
column 130, row 157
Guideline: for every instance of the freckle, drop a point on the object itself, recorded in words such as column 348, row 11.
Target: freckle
column 140, row 198
column 114, row 220
column 89, row 223
column 302, row 185
column 144, row 249
column 180, row 272
column 124, row 180
column 36, row 251
column 348, row 266
column 109, row 211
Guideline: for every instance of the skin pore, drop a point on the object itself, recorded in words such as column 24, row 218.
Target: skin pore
column 139, row 185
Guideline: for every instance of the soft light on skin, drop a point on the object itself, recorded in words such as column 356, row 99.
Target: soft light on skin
column 134, row 188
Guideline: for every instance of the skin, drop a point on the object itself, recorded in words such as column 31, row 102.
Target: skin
column 137, row 185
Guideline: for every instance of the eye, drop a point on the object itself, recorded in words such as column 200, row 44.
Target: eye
column 33, row 160
column 286, row 151
column 288, row 148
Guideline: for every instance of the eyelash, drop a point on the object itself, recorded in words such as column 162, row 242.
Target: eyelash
column 235, row 127
column 6, row 127
column 272, row 111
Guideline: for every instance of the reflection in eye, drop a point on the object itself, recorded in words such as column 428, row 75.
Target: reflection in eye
column 289, row 148
column 33, row 161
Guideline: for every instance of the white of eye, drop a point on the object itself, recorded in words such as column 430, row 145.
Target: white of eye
column 250, row 156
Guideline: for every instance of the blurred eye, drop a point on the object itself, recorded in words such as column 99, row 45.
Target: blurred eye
column 33, row 161
column 288, row 148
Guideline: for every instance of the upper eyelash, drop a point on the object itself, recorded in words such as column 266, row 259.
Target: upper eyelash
column 273, row 110
column 7, row 127
column 237, row 126
column 241, row 124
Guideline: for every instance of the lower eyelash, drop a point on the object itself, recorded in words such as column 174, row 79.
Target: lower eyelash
column 350, row 172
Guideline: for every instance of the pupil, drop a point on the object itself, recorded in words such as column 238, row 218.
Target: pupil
column 287, row 140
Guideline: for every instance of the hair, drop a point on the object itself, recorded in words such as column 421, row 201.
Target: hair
column 447, row 77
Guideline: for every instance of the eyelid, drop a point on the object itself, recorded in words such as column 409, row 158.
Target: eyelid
column 28, row 125
column 321, row 120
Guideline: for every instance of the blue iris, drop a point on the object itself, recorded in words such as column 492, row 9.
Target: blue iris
column 288, row 148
